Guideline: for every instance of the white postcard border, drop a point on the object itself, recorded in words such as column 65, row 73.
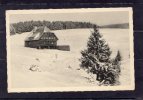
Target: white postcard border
column 67, row 89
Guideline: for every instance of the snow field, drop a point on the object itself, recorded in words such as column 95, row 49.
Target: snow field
column 61, row 68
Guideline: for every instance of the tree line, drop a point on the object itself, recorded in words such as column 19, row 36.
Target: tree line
column 27, row 26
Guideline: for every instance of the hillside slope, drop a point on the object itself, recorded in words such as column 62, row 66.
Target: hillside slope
column 61, row 68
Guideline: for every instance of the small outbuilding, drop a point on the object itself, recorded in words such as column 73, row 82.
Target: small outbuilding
column 41, row 37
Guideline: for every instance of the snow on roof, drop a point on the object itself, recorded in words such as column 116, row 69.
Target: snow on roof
column 37, row 36
column 37, row 32
column 46, row 29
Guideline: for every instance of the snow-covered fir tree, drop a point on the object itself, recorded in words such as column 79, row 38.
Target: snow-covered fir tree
column 97, row 51
column 96, row 58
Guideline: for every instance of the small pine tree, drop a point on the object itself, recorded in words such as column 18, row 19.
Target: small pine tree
column 117, row 60
column 97, row 53
column 118, row 57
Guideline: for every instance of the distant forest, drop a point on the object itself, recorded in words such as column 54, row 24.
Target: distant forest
column 27, row 26
column 122, row 26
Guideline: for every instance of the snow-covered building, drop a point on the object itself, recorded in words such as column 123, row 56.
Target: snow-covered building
column 41, row 37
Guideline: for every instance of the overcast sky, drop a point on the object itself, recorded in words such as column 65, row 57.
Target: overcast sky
column 99, row 18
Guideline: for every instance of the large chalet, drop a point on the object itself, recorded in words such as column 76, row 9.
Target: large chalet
column 41, row 37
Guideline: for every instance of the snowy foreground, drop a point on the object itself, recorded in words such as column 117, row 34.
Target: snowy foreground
column 61, row 68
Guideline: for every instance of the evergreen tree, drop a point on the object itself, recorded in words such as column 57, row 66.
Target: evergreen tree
column 97, row 54
column 96, row 59
column 117, row 62
column 118, row 57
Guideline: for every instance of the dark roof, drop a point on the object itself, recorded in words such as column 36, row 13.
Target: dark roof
column 37, row 33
